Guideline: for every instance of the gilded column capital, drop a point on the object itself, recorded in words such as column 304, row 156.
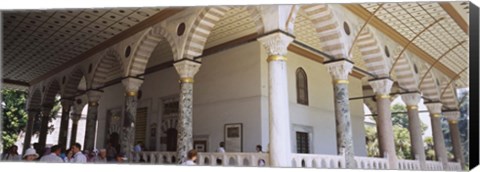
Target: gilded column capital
column 452, row 116
column 435, row 108
column 93, row 96
column 381, row 87
column 187, row 69
column 339, row 70
column 411, row 99
column 132, row 85
column 276, row 44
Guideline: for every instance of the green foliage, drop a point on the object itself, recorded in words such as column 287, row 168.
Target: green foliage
column 429, row 150
column 402, row 142
column 14, row 117
column 372, row 141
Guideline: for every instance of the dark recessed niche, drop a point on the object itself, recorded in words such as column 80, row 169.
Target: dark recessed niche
column 87, row 16
column 128, row 51
column 79, row 101
column 90, row 68
column 121, row 11
column 112, row 17
column 139, row 95
column 387, row 52
column 346, row 28
column 63, row 80
column 181, row 29
column 62, row 17
column 415, row 68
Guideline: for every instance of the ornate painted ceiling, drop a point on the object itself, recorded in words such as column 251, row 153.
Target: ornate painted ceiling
column 36, row 42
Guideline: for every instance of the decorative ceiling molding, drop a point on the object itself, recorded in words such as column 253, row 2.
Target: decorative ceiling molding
column 455, row 15
column 361, row 12
column 154, row 19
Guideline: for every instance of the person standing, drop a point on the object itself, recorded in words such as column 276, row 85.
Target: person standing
column 220, row 149
column 11, row 154
column 102, row 156
column 78, row 156
column 30, row 155
column 111, row 152
column 261, row 162
column 192, row 156
column 54, row 155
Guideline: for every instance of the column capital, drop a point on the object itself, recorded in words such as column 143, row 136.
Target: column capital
column 339, row 70
column 132, row 85
column 435, row 108
column 94, row 96
column 276, row 43
column 381, row 87
column 452, row 116
column 411, row 99
column 187, row 69
column 75, row 117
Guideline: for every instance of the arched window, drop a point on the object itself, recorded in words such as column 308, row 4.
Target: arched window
column 302, row 87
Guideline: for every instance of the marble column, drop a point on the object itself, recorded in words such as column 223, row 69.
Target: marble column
column 414, row 127
column 453, row 118
column 91, row 126
column 73, row 135
column 42, row 139
column 29, row 130
column 339, row 69
column 63, row 131
column 381, row 88
column 132, row 85
column 186, row 69
column 278, row 107
column 435, row 110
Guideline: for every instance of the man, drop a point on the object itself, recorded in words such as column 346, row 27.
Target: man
column 261, row 162
column 220, row 149
column 78, row 156
column 192, row 156
column 54, row 155
column 102, row 157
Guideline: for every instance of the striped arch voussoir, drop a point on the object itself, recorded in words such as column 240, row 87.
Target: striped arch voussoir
column 328, row 30
column 72, row 82
column 109, row 60
column 51, row 91
column 449, row 98
column 35, row 100
column 430, row 88
column 146, row 46
column 372, row 53
column 405, row 74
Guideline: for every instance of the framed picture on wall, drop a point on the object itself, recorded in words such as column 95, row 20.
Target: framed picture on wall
column 233, row 136
column 200, row 145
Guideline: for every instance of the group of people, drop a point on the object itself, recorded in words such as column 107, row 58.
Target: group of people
column 56, row 154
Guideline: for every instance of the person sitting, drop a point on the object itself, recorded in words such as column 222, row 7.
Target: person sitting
column 102, row 156
column 120, row 158
column 54, row 155
column 30, row 155
column 261, row 162
column 191, row 157
column 220, row 149
column 11, row 154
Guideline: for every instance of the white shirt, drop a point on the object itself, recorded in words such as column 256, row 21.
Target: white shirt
column 221, row 150
column 52, row 157
column 189, row 162
column 137, row 148
column 79, row 158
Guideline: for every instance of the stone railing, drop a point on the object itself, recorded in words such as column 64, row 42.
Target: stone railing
column 434, row 165
column 454, row 166
column 233, row 159
column 318, row 161
column 155, row 157
column 371, row 163
column 405, row 164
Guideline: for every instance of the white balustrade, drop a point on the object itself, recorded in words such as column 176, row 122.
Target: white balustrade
column 371, row 163
column 318, row 161
column 434, row 165
column 405, row 164
column 454, row 166
column 232, row 159
column 155, row 157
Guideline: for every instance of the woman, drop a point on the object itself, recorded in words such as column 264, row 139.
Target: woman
column 30, row 155
column 12, row 154
column 192, row 156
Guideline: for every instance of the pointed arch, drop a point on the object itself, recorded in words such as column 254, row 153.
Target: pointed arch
column 406, row 73
column 35, row 100
column 204, row 24
column 372, row 53
column 110, row 62
column 449, row 99
column 72, row 82
column 302, row 86
column 328, row 30
column 52, row 89
column 430, row 87
column 146, row 46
